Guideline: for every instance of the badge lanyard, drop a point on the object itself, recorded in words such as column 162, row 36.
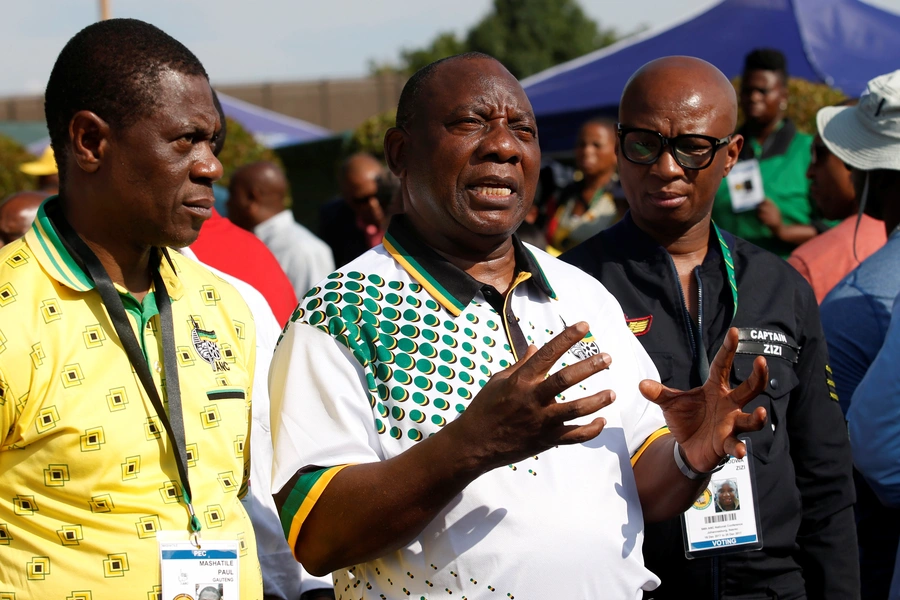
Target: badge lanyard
column 173, row 421
column 732, row 281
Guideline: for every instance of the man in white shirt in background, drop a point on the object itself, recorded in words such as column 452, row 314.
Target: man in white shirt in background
column 257, row 204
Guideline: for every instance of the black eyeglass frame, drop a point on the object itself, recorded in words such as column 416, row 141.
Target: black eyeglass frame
column 717, row 144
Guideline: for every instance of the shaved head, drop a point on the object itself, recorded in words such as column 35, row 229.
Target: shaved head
column 681, row 83
column 257, row 193
column 677, row 96
column 17, row 213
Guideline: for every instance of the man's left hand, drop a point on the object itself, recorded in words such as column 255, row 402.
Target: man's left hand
column 707, row 420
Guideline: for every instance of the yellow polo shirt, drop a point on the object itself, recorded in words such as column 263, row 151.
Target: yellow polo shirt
column 87, row 473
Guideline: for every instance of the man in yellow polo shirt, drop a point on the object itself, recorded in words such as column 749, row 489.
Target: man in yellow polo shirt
column 125, row 369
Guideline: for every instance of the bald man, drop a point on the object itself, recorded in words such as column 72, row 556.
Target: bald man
column 17, row 213
column 682, row 284
column 355, row 222
column 256, row 202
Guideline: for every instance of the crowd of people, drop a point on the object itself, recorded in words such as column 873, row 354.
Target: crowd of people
column 452, row 390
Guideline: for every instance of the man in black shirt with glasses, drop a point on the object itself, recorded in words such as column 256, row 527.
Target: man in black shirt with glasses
column 682, row 283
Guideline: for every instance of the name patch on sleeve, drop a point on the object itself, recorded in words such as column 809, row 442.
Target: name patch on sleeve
column 767, row 342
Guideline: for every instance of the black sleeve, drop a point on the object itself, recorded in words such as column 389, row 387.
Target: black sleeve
column 820, row 451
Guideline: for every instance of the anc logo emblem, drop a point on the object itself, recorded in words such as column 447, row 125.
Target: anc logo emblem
column 639, row 326
column 704, row 500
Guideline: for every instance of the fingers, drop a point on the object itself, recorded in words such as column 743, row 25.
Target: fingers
column 720, row 369
column 568, row 411
column 531, row 351
column 754, row 421
column 571, row 375
column 540, row 363
column 656, row 392
column 578, row 434
column 735, row 447
column 754, row 385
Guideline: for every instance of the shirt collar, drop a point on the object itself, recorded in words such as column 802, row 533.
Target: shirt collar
column 637, row 245
column 452, row 287
column 55, row 258
column 283, row 218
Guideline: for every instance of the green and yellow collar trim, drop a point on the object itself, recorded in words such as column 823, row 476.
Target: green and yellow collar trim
column 55, row 258
column 452, row 287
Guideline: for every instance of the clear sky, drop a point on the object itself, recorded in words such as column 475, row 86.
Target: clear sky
column 242, row 41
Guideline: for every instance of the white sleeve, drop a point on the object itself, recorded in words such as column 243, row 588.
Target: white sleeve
column 642, row 418
column 321, row 410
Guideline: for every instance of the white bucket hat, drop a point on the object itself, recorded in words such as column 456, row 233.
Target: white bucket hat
column 866, row 136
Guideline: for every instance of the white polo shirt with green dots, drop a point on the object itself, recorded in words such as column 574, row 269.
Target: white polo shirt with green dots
column 396, row 345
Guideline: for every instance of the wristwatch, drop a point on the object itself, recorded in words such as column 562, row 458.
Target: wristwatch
column 689, row 472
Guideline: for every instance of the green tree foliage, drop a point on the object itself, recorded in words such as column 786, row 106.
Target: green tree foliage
column 241, row 148
column 527, row 36
column 444, row 45
column 805, row 98
column 11, row 178
column 369, row 136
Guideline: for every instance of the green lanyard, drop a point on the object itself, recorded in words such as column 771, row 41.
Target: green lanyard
column 729, row 268
column 703, row 367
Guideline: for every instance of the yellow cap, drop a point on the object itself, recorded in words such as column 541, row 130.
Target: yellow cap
column 45, row 165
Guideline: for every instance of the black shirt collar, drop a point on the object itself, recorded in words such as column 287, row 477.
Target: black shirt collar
column 452, row 287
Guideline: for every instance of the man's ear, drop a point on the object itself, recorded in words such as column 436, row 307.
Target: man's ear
column 733, row 151
column 90, row 140
column 395, row 151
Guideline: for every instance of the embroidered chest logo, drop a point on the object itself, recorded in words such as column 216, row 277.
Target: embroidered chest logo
column 586, row 348
column 639, row 326
column 205, row 343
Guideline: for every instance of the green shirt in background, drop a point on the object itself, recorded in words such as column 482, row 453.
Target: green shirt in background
column 783, row 164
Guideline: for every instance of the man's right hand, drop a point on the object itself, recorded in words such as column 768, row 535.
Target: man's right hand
column 517, row 415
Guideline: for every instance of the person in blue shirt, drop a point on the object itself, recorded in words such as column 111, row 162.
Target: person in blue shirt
column 857, row 312
column 874, row 421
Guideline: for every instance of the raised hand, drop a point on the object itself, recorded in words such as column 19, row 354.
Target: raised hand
column 707, row 420
column 516, row 415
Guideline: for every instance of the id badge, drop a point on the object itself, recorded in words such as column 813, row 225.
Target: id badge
column 745, row 186
column 207, row 572
column 725, row 518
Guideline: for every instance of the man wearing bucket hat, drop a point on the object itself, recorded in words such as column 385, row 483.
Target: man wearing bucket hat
column 857, row 312
column 45, row 170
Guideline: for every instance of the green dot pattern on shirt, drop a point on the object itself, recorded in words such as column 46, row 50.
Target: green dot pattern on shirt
column 410, row 331
column 409, row 347
column 404, row 361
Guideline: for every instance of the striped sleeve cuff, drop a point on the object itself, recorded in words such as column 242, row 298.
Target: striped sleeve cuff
column 300, row 501
column 653, row 437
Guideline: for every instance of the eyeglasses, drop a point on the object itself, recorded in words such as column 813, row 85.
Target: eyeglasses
column 645, row 146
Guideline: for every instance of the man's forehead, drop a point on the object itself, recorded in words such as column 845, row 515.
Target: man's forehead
column 464, row 84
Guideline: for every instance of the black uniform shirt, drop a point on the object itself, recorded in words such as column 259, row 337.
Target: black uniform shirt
column 802, row 454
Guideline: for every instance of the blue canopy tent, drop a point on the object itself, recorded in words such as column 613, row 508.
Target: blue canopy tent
column 271, row 129
column 843, row 43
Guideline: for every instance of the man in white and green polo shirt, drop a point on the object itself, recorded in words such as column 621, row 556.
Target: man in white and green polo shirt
column 412, row 407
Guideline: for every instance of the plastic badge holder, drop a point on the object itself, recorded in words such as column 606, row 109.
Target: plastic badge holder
column 722, row 520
